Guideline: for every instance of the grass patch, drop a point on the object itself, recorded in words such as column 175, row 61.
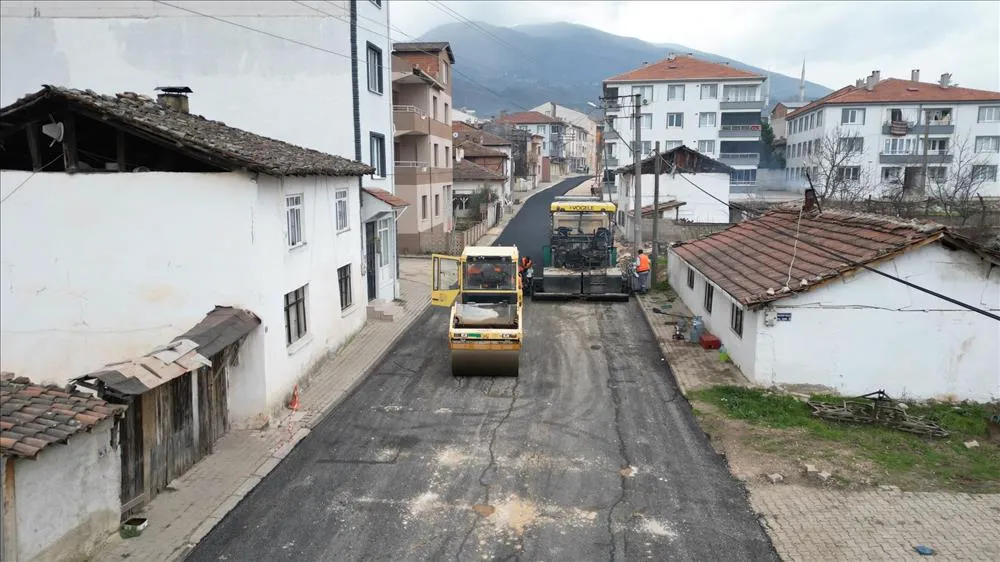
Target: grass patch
column 908, row 460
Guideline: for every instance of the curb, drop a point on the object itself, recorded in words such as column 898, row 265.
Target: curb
column 663, row 347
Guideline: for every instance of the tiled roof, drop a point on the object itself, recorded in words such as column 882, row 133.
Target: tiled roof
column 470, row 171
column 386, row 197
column 211, row 140
column 478, row 136
column 475, row 150
column 751, row 257
column 683, row 68
column 527, row 118
column 895, row 90
column 33, row 417
column 425, row 47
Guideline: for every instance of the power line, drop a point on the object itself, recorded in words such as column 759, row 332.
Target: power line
column 462, row 19
column 774, row 228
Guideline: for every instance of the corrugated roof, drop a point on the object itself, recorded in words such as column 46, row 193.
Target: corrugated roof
column 32, row 417
column 475, row 150
column 214, row 141
column 683, row 68
column 222, row 327
column 465, row 170
column 895, row 90
column 527, row 118
column 753, row 256
column 386, row 197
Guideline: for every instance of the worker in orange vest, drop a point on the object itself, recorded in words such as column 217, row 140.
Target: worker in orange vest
column 642, row 268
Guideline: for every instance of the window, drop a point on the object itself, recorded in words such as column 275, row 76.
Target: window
column 293, row 216
column 984, row 173
column 645, row 91
column 819, row 119
column 709, row 293
column 898, row 146
column 383, row 242
column 739, row 93
column 377, row 156
column 447, row 114
column 939, row 116
column 423, row 206
column 892, row 174
column 848, row 173
column 812, row 121
column 672, row 144
column 709, row 91
column 375, row 83
column 989, row 114
column 344, row 283
column 736, row 320
column 436, row 149
column 342, row 218
column 743, row 177
column 690, row 278
column 647, row 121
column 295, row 315
column 444, row 73
column 847, row 144
column 987, row 144
column 447, row 157
column 675, row 92
column 706, row 120
column 706, row 146
column 434, row 107
column 675, row 120
column 852, row 117
column 437, row 204
column 937, row 146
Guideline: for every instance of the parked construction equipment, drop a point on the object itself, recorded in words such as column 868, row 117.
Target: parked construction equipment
column 581, row 261
column 483, row 289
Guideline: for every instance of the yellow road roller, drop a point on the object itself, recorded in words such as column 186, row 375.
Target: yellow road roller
column 483, row 289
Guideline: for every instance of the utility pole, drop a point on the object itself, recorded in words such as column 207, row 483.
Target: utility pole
column 637, row 157
column 656, row 212
column 927, row 130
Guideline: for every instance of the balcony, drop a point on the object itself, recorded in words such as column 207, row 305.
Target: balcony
column 934, row 157
column 411, row 120
column 740, row 158
column 903, row 128
column 611, row 162
column 737, row 104
column 739, row 132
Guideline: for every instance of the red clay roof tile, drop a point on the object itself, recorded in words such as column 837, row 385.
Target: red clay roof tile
column 895, row 90
column 527, row 118
column 683, row 68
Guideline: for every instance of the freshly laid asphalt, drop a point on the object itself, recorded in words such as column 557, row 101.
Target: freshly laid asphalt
column 590, row 454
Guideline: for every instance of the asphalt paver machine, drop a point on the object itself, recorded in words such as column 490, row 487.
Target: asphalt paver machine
column 483, row 289
column 581, row 261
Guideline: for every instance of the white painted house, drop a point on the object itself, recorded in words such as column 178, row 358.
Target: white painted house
column 710, row 107
column 788, row 312
column 199, row 214
column 313, row 74
column 886, row 122
column 552, row 131
column 580, row 135
column 60, row 474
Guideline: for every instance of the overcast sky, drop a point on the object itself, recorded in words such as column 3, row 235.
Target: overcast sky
column 840, row 41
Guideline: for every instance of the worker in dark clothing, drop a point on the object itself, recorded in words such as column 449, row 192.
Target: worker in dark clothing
column 525, row 269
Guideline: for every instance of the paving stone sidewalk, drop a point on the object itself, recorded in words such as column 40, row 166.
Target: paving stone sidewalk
column 811, row 524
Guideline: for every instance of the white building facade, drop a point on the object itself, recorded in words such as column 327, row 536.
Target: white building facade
column 709, row 107
column 581, row 134
column 302, row 73
column 887, row 124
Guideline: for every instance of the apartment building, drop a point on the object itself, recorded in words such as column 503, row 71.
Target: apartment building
column 888, row 130
column 552, row 130
column 778, row 119
column 581, row 133
column 710, row 107
column 421, row 113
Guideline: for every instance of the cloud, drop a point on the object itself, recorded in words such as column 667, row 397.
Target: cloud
column 840, row 41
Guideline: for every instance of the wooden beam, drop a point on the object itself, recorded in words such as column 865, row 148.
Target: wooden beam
column 34, row 132
column 70, row 155
column 121, row 150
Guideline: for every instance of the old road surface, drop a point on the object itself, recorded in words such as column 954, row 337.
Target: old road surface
column 590, row 454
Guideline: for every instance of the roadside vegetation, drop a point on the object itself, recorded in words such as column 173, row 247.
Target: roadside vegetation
column 782, row 432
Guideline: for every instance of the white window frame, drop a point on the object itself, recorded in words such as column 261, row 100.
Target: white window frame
column 376, row 74
column 293, row 220
column 672, row 90
column 847, row 144
column 702, row 122
column 672, row 144
column 444, row 73
column 646, row 92
column 712, row 88
column 989, row 175
column 710, row 144
column 898, row 145
column 989, row 114
column 851, row 115
column 376, row 145
column 986, row 144
column 296, row 307
column 342, row 198
column 383, row 228
column 647, row 147
column 677, row 120
column 848, row 173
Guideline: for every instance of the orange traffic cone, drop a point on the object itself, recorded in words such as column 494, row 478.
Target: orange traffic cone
column 293, row 404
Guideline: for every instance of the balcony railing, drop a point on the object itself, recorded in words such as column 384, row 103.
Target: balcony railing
column 902, row 128
column 739, row 131
column 909, row 157
column 737, row 103
column 409, row 109
column 739, row 158
column 411, row 164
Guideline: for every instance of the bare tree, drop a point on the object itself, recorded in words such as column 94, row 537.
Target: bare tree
column 956, row 192
column 837, row 169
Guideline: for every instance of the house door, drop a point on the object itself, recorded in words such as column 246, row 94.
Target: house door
column 130, row 439
column 213, row 411
column 370, row 251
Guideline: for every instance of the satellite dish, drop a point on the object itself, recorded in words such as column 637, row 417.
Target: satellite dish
column 54, row 131
column 454, row 135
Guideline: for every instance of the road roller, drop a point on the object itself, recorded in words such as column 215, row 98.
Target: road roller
column 581, row 261
column 483, row 289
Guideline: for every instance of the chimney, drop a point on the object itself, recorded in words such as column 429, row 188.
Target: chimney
column 876, row 77
column 868, row 83
column 810, row 201
column 859, row 83
column 174, row 97
column 915, row 75
column 552, row 109
column 945, row 80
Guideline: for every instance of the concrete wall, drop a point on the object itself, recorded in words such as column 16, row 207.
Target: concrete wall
column 96, row 287
column 56, row 527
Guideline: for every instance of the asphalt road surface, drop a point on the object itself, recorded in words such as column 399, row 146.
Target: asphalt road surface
column 590, row 454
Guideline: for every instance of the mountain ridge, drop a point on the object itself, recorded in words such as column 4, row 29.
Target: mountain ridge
column 521, row 67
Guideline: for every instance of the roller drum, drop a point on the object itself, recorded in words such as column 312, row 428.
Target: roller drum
column 485, row 363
